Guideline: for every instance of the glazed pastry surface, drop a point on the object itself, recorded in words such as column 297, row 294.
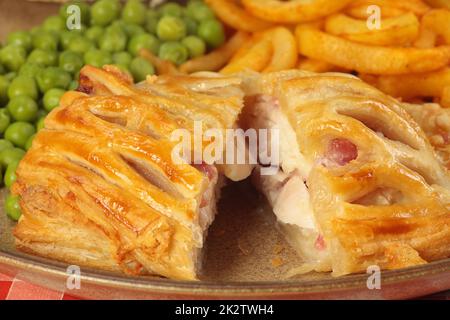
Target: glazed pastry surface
column 374, row 190
column 99, row 187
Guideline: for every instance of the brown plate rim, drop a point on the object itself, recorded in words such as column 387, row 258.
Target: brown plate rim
column 355, row 281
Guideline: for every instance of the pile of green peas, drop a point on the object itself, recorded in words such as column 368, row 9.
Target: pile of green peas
column 38, row 66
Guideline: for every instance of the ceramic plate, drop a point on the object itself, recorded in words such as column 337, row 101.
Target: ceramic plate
column 246, row 258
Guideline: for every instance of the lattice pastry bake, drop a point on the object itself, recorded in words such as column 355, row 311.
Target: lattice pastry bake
column 99, row 187
column 359, row 183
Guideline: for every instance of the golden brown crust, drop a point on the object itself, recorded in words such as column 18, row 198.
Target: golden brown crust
column 387, row 206
column 99, row 186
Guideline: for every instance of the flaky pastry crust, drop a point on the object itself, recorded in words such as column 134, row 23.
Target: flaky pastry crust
column 99, row 187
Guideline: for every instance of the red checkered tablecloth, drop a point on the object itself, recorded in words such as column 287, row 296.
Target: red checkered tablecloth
column 15, row 289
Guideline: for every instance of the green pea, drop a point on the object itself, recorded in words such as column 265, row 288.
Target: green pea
column 133, row 29
column 80, row 44
column 5, row 144
column 212, row 32
column 171, row 9
column 85, row 9
column 22, row 108
column 118, row 24
column 23, row 86
column 10, row 174
column 43, row 58
column 191, row 25
column 40, row 124
column 195, row 45
column 73, row 85
column 94, row 33
column 174, row 51
column 54, row 23
column 146, row 41
column 134, row 12
column 12, row 207
column 140, row 68
column 171, row 28
column 70, row 61
column 5, row 120
column 151, row 22
column 113, row 40
column 46, row 41
column 12, row 57
column 199, row 11
column 19, row 132
column 67, row 36
column 30, row 70
column 10, row 155
column 53, row 77
column 51, row 98
column 122, row 58
column 29, row 143
column 152, row 13
column 104, row 12
column 97, row 58
column 4, row 85
column 20, row 38
column 10, row 76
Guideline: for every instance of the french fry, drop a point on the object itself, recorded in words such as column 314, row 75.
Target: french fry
column 218, row 58
column 294, row 11
column 401, row 30
column 439, row 3
column 369, row 59
column 236, row 17
column 318, row 66
column 417, row 7
column 445, row 99
column 162, row 66
column 430, row 84
column 362, row 13
column 245, row 48
column 434, row 24
column 256, row 58
column 285, row 51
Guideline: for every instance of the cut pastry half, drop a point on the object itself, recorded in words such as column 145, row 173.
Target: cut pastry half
column 359, row 183
column 99, row 187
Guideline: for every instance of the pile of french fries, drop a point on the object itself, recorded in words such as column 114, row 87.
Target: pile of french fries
column 400, row 46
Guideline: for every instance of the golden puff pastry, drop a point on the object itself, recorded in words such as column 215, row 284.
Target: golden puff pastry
column 99, row 187
column 359, row 183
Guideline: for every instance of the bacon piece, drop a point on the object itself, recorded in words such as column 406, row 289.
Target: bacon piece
column 341, row 151
column 209, row 170
column 320, row 243
column 85, row 84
